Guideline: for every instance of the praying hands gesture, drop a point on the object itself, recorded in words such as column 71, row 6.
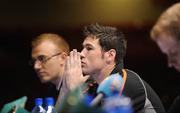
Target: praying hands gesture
column 73, row 76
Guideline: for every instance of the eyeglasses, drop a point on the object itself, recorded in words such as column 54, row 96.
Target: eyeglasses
column 42, row 59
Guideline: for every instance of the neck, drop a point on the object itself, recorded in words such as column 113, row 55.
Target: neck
column 99, row 77
column 57, row 82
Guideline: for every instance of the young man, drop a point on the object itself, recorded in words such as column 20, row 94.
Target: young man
column 104, row 49
column 166, row 33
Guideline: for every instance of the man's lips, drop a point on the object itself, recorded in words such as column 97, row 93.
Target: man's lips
column 83, row 63
column 41, row 74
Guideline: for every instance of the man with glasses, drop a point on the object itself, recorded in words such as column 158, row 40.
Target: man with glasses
column 166, row 33
column 49, row 53
column 53, row 62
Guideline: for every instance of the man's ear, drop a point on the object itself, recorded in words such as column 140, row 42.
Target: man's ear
column 64, row 55
column 62, row 58
column 110, row 55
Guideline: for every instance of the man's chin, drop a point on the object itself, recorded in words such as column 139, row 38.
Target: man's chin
column 44, row 80
column 84, row 70
column 85, row 73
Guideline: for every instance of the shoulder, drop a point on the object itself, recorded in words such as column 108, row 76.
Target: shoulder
column 134, row 89
column 133, row 78
column 139, row 89
column 133, row 84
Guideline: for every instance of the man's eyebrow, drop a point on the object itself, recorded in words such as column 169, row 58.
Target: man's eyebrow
column 87, row 45
column 41, row 55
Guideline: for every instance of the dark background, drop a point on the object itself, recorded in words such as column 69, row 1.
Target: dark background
column 21, row 21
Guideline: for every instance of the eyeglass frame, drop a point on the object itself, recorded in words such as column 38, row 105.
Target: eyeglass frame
column 42, row 59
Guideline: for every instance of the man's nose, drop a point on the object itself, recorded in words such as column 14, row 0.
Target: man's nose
column 37, row 65
column 82, row 54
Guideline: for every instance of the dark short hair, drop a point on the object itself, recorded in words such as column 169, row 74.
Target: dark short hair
column 109, row 38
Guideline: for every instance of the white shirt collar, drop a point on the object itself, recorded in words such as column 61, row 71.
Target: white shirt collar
column 59, row 85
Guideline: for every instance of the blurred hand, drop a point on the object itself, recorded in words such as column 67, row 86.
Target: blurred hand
column 73, row 76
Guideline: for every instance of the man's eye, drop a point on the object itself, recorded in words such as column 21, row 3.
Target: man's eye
column 41, row 58
column 88, row 48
